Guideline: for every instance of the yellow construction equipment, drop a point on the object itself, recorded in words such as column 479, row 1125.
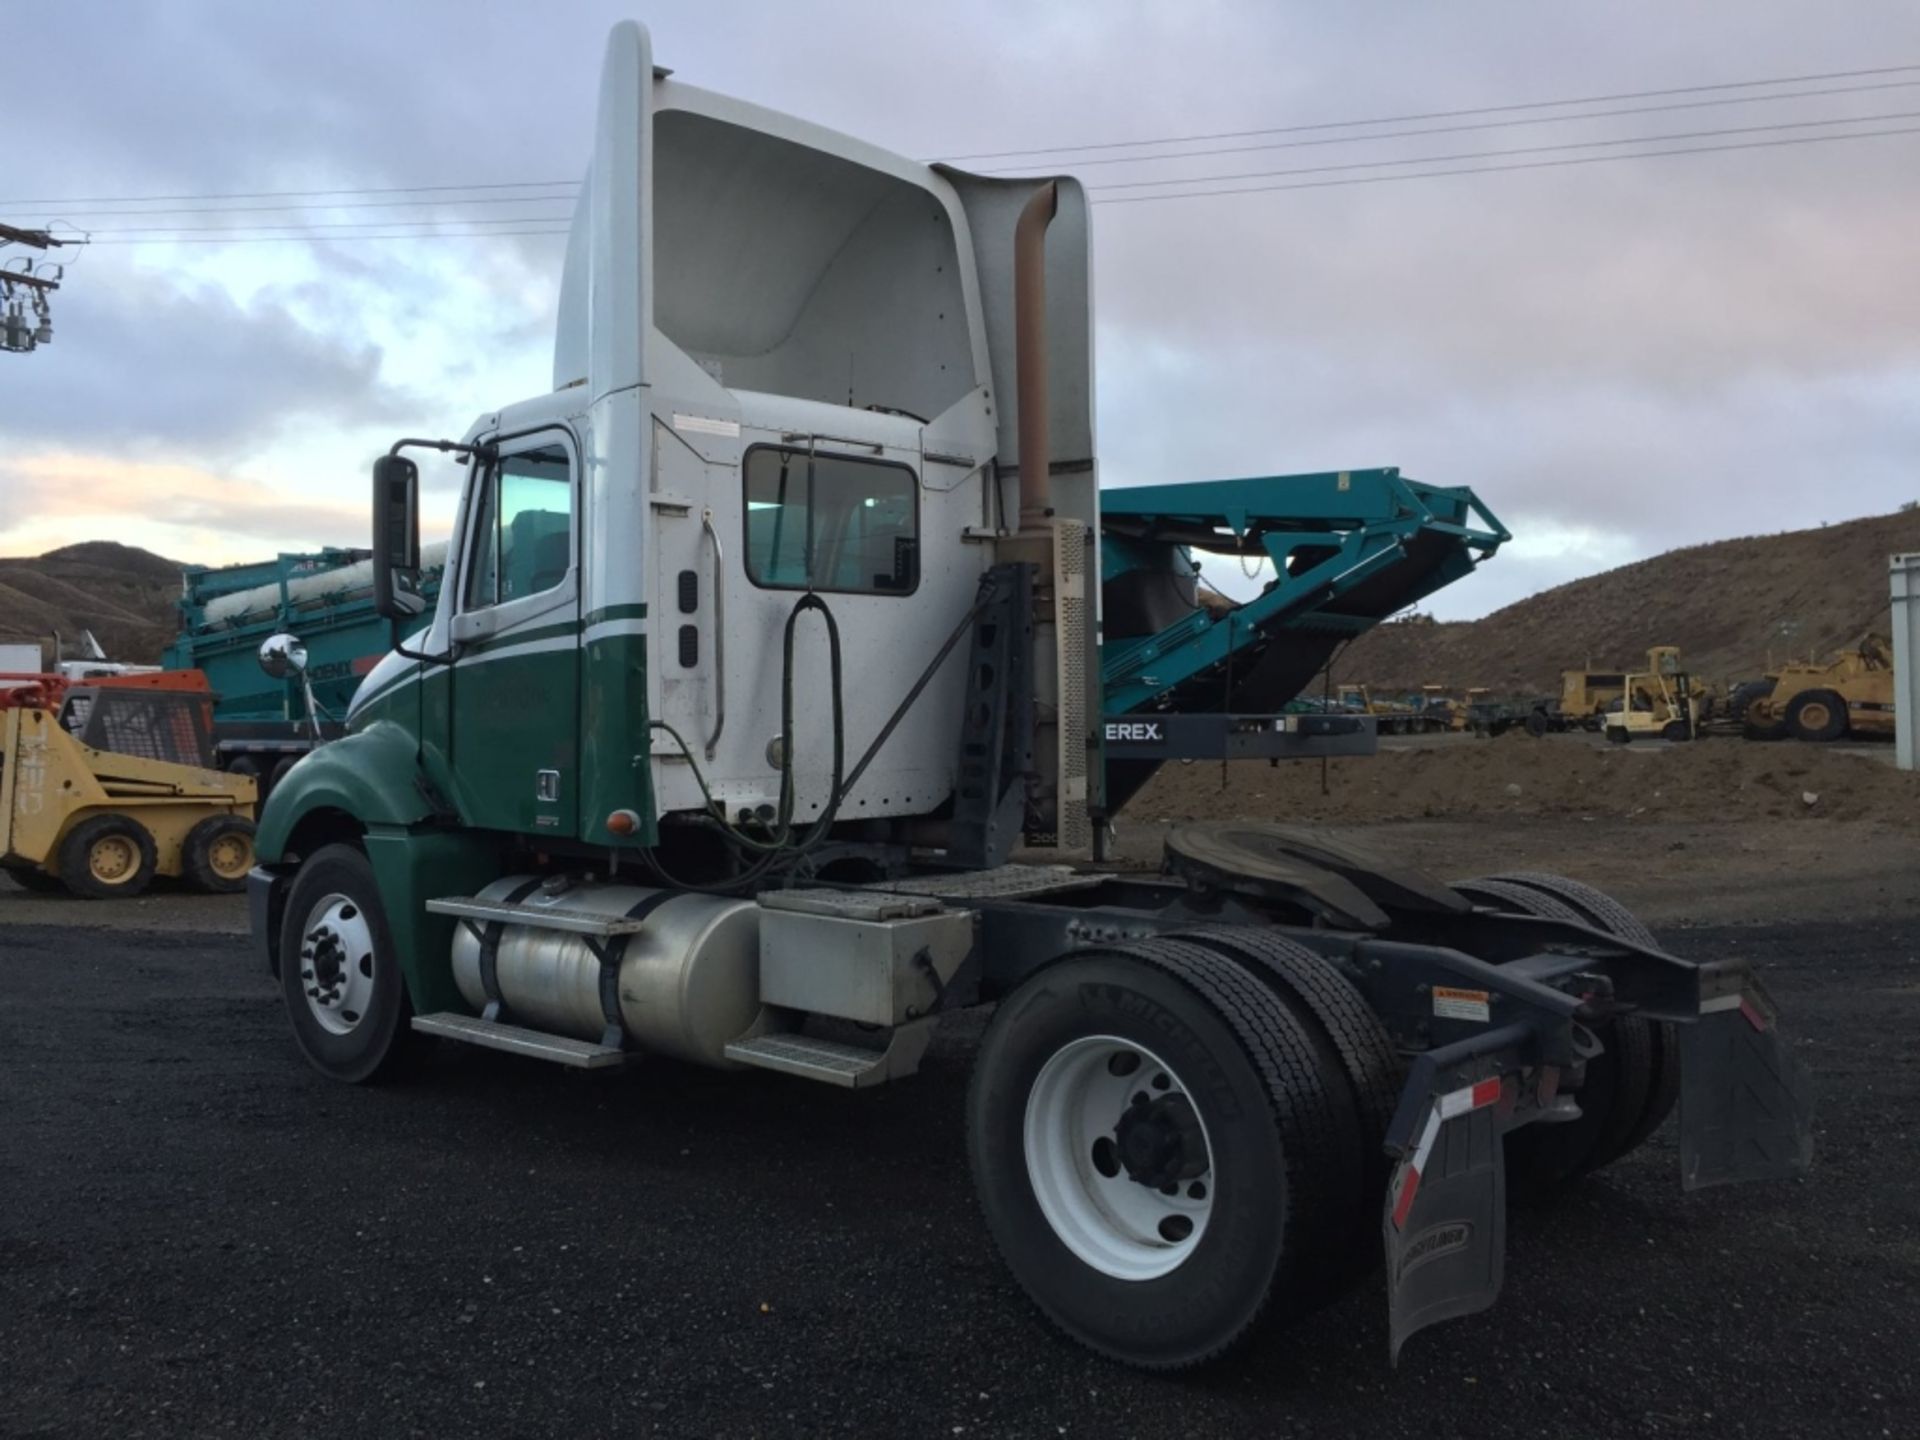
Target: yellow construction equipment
column 102, row 788
column 1657, row 702
column 1850, row 695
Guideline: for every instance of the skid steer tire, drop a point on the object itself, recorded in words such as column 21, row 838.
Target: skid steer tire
column 108, row 857
column 350, row 1013
column 1604, row 912
column 1079, row 1207
column 1358, row 1046
column 218, row 853
column 1817, row 715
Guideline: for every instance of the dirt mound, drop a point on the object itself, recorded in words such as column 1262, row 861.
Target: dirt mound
column 1727, row 606
column 125, row 595
column 1516, row 775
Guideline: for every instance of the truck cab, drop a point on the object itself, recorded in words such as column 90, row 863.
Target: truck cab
column 766, row 637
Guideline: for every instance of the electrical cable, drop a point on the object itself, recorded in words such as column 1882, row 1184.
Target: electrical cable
column 1424, row 131
column 1440, row 114
column 1518, row 150
column 1501, row 169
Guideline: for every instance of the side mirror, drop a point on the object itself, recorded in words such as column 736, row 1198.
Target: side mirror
column 283, row 655
column 396, row 538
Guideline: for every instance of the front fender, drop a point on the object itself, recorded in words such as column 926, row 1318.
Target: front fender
column 371, row 776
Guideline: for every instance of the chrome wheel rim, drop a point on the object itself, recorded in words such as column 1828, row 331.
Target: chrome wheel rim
column 337, row 963
column 1119, row 1158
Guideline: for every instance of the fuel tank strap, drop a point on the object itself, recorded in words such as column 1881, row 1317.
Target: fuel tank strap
column 490, row 953
column 610, row 958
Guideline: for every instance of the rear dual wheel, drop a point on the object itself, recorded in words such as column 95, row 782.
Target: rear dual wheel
column 1167, row 1150
column 1630, row 1087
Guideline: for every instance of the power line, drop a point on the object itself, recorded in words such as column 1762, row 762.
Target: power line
column 574, row 185
column 1445, row 114
column 1138, row 199
column 1498, row 169
column 330, row 205
column 1519, row 150
column 356, row 239
column 324, row 225
column 1461, row 129
column 298, row 194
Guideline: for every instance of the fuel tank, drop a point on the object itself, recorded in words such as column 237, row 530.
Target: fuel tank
column 689, row 982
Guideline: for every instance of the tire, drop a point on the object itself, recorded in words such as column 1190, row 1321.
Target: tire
column 1652, row 1044
column 1743, row 697
column 1353, row 1043
column 1618, row 734
column 244, row 765
column 1275, row 1193
column 1537, row 723
column 36, row 880
column 368, row 1031
column 107, row 857
column 1818, row 715
column 1674, row 731
column 218, row 854
column 279, row 772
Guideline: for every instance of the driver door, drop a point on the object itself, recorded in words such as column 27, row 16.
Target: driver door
column 516, row 673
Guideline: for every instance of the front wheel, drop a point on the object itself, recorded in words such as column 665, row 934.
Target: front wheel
column 1157, row 1152
column 1817, row 715
column 339, row 973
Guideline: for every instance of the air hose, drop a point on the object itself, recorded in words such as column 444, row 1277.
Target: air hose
column 781, row 845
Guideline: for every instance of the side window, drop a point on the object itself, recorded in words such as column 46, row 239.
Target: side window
column 831, row 523
column 523, row 528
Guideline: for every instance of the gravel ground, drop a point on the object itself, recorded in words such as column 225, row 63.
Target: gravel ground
column 199, row 1236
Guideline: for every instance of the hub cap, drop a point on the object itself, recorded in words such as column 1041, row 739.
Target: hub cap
column 1119, row 1158
column 112, row 859
column 336, row 963
column 231, row 856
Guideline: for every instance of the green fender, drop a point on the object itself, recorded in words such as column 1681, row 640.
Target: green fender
column 368, row 776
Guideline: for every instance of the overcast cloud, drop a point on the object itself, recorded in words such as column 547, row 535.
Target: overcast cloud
column 1619, row 357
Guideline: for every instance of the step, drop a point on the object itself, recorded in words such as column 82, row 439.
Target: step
column 518, row 1040
column 835, row 1063
column 540, row 917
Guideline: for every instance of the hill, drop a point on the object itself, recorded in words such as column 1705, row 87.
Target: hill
column 1727, row 605
column 123, row 594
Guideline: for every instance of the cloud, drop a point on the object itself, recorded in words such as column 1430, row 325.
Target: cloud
column 191, row 369
column 1619, row 357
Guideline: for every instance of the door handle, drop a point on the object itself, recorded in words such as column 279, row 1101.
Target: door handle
column 719, row 634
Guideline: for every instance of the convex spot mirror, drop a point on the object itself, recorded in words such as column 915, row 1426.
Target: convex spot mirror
column 283, row 655
column 396, row 537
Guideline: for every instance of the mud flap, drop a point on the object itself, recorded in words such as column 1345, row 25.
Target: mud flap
column 1746, row 1101
column 1445, row 1225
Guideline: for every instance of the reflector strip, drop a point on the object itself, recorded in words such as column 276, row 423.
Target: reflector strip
column 1718, row 1003
column 1751, row 1014
column 1445, row 1107
column 1403, row 1203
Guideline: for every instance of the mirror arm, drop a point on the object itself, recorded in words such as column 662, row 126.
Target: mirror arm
column 445, row 447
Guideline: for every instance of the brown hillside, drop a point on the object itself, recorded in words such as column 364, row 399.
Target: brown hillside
column 123, row 594
column 1727, row 606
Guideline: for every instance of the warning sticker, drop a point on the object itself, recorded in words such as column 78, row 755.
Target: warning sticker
column 1453, row 1004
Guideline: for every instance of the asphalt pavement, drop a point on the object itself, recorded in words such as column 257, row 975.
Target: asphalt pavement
column 199, row 1236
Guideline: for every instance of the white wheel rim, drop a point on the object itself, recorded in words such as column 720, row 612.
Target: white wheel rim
column 1112, row 1221
column 337, row 963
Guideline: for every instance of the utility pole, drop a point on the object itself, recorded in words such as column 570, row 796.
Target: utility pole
column 26, row 320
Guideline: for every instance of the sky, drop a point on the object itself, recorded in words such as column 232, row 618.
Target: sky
column 1618, row 357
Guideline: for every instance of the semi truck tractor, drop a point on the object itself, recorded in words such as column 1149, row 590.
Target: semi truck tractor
column 766, row 718
column 262, row 725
